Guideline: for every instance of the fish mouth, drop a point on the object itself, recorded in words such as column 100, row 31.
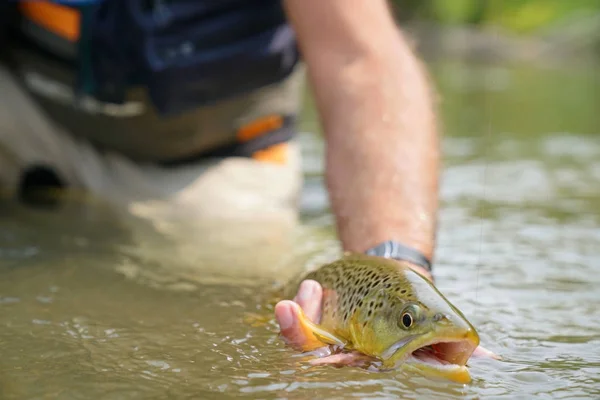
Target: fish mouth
column 442, row 357
column 441, row 352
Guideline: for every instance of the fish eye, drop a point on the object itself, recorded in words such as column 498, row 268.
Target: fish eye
column 410, row 315
column 407, row 320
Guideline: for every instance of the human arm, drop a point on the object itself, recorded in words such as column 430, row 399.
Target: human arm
column 375, row 107
column 377, row 116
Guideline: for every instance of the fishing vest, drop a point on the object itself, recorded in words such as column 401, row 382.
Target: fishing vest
column 186, row 55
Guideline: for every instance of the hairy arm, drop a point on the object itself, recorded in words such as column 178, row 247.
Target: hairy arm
column 375, row 107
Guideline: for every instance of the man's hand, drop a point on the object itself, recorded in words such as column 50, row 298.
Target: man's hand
column 287, row 314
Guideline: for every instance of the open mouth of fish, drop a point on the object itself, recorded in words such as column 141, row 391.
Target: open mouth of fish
column 443, row 358
column 440, row 354
column 446, row 357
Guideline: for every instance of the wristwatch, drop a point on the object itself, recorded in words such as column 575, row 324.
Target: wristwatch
column 401, row 252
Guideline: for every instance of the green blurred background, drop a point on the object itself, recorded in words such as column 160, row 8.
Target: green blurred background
column 517, row 16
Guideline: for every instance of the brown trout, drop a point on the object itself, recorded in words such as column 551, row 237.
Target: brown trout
column 388, row 311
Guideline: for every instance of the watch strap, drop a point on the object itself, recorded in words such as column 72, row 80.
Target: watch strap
column 401, row 252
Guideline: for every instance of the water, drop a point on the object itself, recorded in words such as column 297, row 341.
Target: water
column 95, row 304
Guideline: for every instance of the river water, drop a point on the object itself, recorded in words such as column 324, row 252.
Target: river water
column 98, row 305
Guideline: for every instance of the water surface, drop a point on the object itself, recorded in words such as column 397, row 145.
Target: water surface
column 95, row 304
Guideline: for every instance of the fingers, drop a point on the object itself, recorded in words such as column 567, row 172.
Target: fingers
column 288, row 314
column 309, row 297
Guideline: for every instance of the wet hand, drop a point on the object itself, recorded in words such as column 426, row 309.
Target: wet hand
column 287, row 313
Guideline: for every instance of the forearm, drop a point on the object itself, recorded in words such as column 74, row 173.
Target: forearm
column 382, row 154
column 382, row 145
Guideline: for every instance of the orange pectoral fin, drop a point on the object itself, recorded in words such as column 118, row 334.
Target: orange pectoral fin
column 316, row 337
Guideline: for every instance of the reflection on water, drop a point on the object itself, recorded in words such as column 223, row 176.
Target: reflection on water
column 94, row 304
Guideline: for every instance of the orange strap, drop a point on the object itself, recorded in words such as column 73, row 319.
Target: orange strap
column 259, row 127
column 276, row 154
column 56, row 18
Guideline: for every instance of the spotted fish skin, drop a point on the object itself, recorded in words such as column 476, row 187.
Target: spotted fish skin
column 359, row 283
column 365, row 299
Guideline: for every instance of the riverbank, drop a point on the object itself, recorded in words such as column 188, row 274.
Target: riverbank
column 572, row 42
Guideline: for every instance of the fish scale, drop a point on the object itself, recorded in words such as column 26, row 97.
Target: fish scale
column 384, row 309
column 351, row 280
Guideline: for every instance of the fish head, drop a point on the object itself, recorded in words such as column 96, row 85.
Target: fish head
column 412, row 325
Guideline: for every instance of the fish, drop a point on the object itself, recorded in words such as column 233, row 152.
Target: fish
column 386, row 310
